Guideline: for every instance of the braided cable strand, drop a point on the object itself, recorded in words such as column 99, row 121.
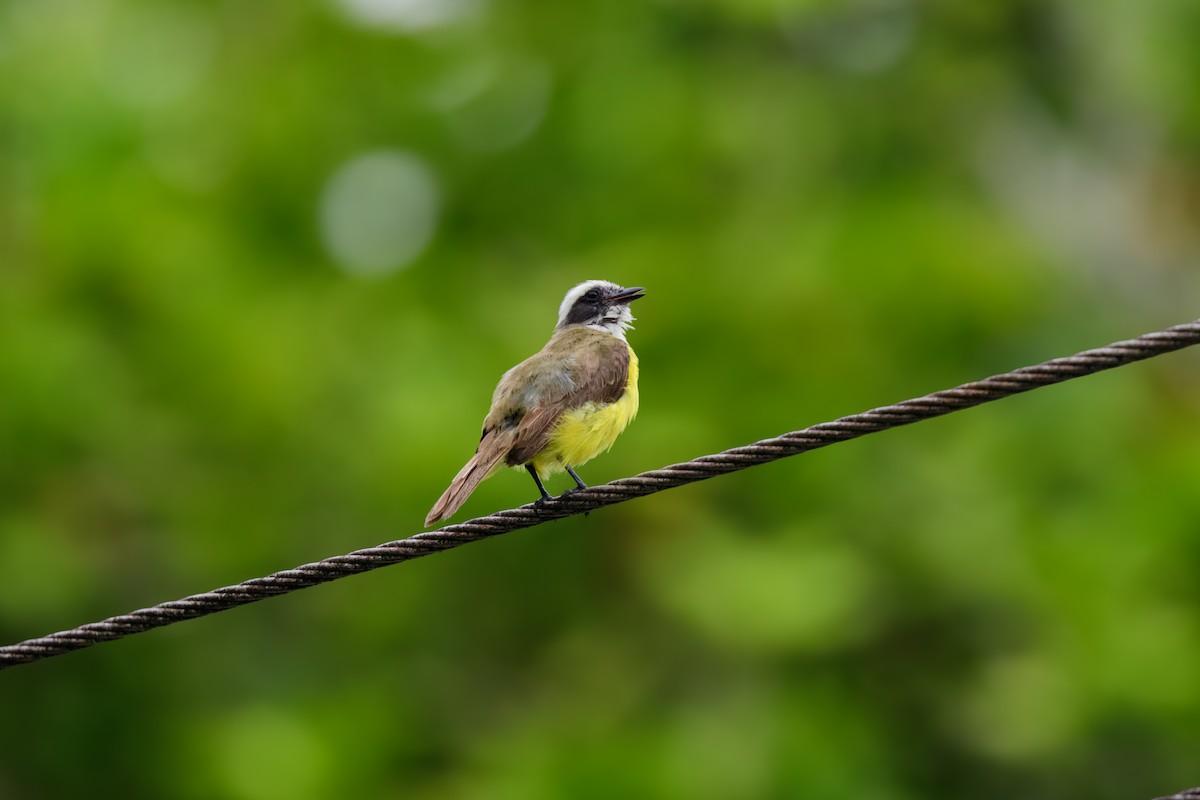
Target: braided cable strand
column 423, row 544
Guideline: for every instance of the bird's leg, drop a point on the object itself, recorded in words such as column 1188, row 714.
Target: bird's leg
column 578, row 483
column 533, row 473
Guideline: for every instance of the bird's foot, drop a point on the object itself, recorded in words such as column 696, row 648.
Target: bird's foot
column 579, row 484
column 570, row 492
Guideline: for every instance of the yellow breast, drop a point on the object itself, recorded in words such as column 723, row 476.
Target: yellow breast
column 586, row 432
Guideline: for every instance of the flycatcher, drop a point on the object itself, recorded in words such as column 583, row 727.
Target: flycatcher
column 564, row 405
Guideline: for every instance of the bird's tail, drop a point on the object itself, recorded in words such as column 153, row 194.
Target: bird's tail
column 481, row 465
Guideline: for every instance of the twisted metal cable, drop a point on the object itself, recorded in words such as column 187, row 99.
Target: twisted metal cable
column 789, row 444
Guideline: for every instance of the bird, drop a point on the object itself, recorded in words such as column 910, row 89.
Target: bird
column 565, row 404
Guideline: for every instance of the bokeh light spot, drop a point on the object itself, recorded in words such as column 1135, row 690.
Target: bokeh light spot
column 408, row 15
column 379, row 211
column 863, row 37
column 495, row 104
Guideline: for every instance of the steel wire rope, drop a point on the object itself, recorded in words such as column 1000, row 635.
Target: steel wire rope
column 789, row 444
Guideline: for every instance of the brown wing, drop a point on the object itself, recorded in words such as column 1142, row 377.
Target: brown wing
column 534, row 431
column 578, row 366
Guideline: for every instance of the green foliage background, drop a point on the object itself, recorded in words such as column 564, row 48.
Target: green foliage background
column 834, row 205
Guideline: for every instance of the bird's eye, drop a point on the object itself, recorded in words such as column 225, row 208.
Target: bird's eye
column 592, row 295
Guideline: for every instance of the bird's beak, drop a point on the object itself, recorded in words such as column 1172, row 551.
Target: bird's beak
column 625, row 296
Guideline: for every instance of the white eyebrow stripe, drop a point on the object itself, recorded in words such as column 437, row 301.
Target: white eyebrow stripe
column 577, row 292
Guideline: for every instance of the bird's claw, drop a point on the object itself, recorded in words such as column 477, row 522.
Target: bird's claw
column 569, row 492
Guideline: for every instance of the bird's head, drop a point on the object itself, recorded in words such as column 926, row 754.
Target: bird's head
column 599, row 304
